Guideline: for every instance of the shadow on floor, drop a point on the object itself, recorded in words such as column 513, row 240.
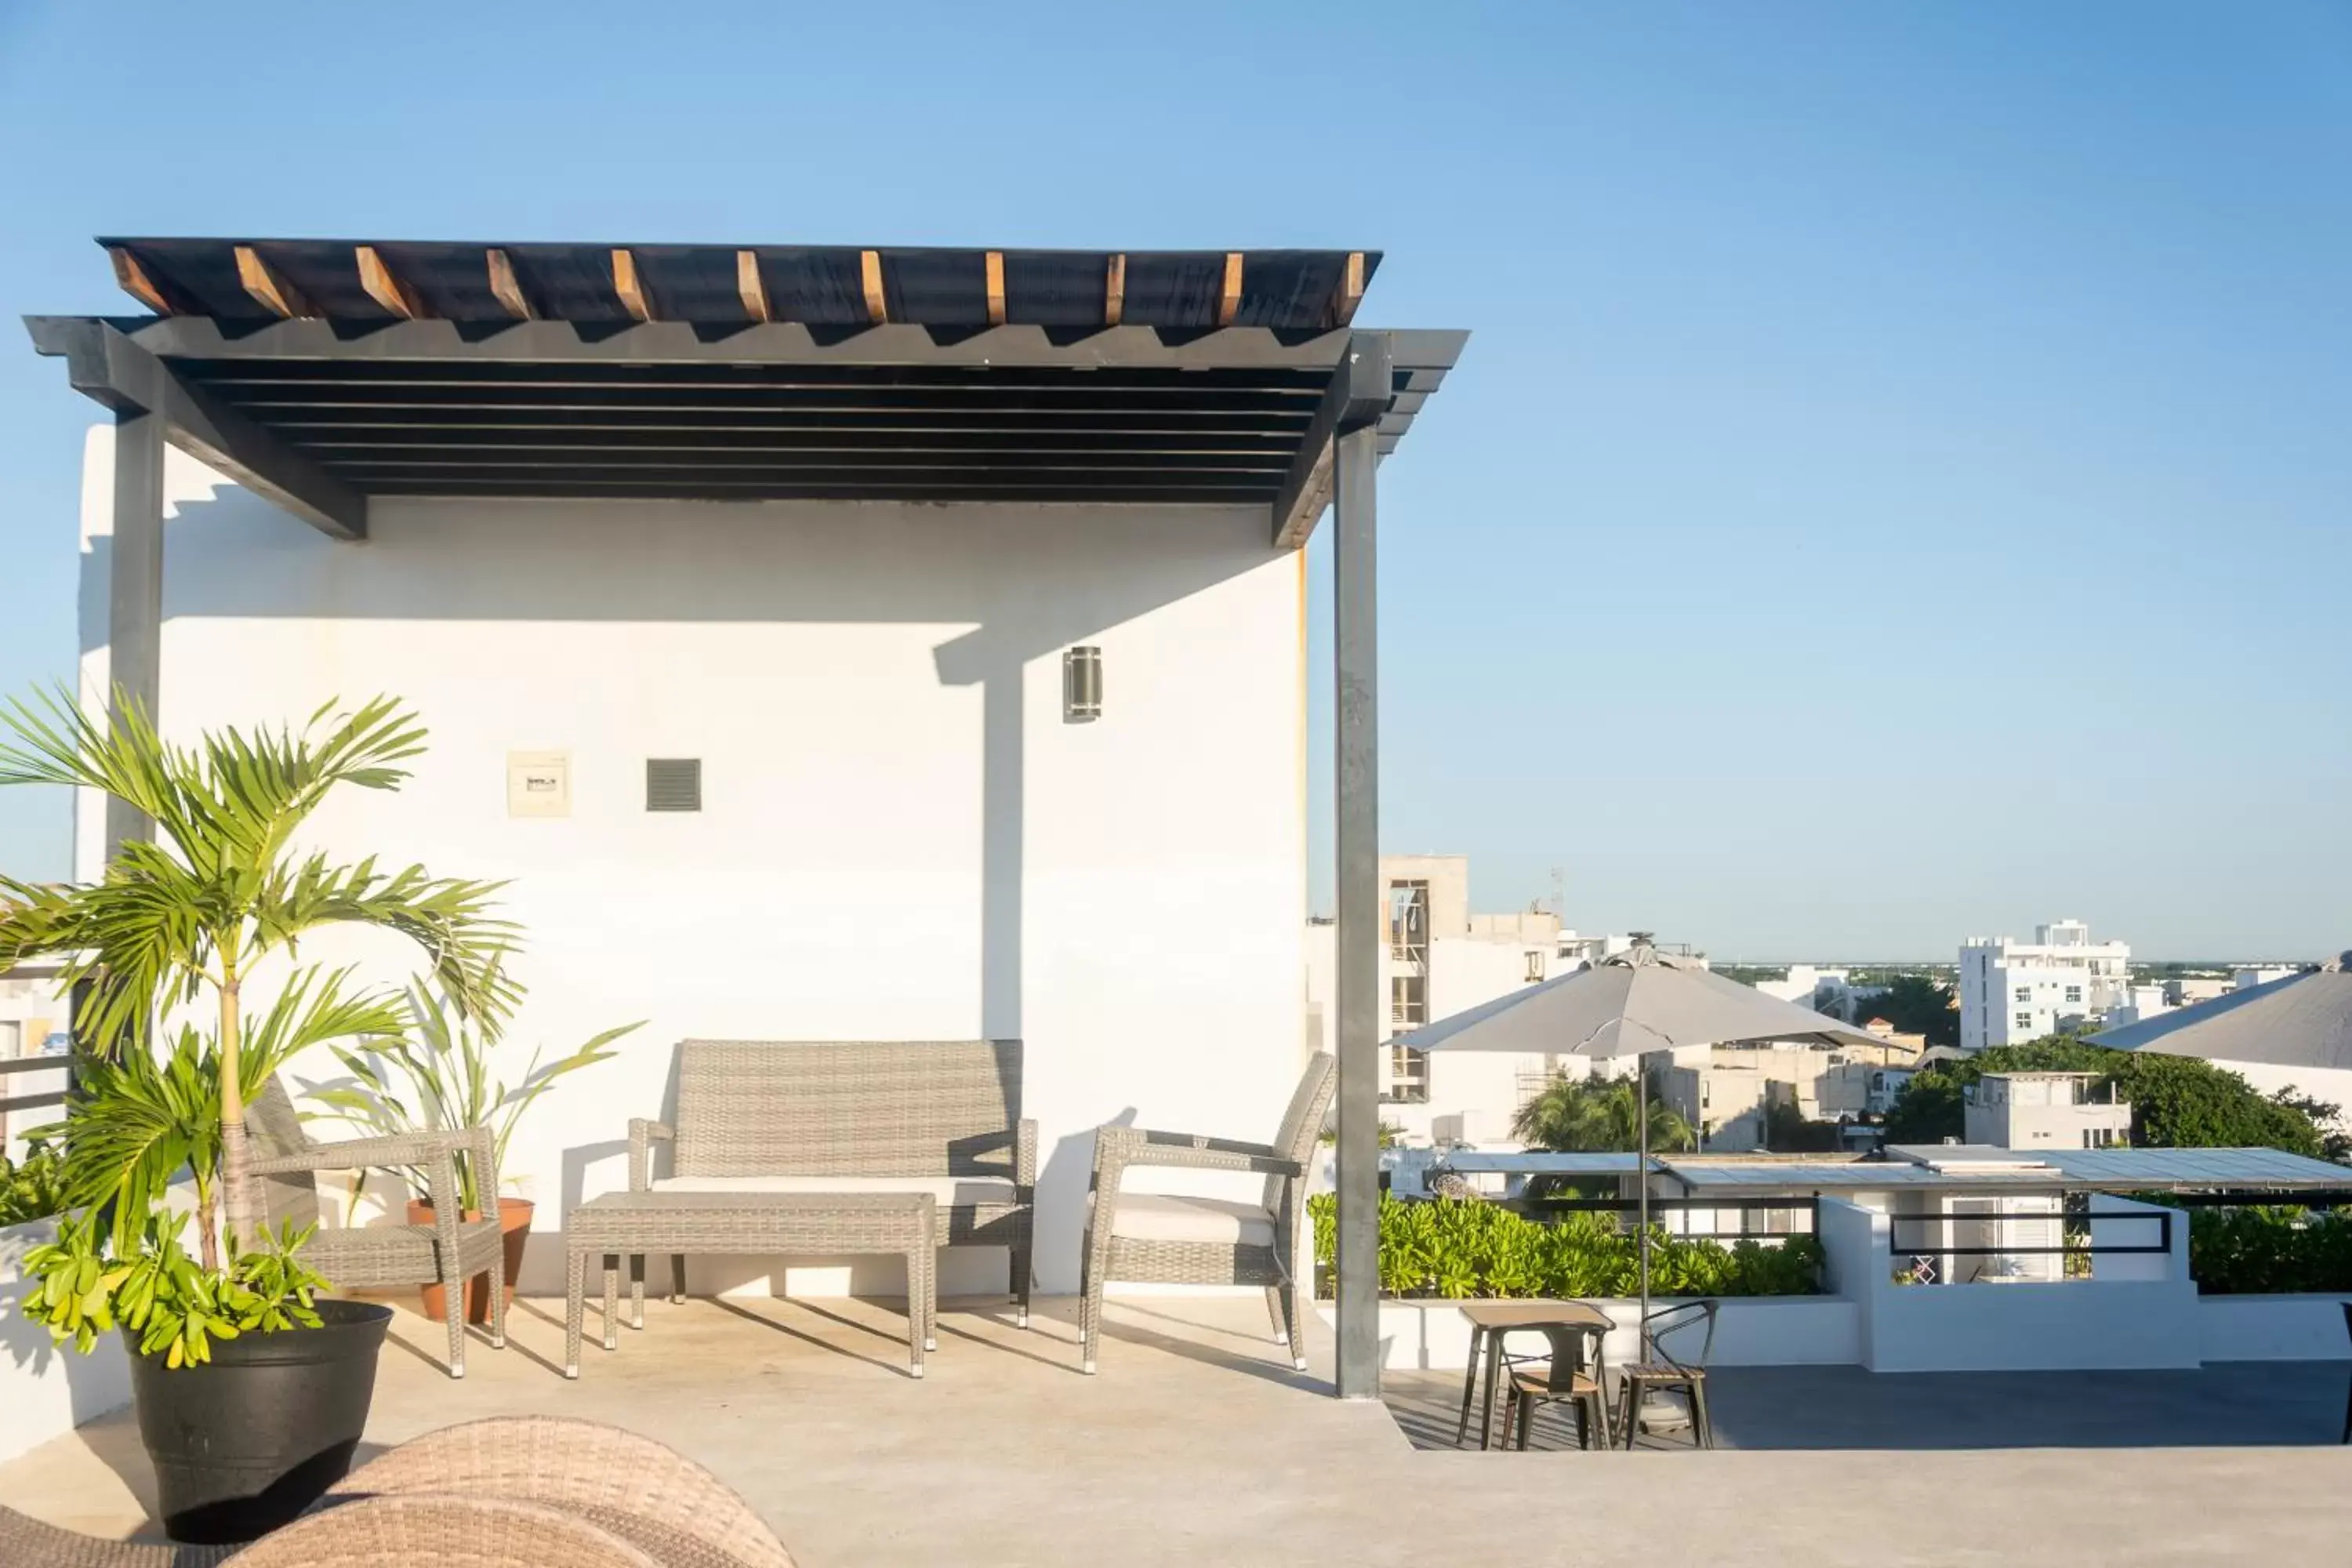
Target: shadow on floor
column 2243, row 1404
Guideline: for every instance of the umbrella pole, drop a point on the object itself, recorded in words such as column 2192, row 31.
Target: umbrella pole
column 1642, row 1120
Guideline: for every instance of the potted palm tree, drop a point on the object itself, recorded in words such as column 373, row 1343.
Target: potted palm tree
column 244, row 1372
column 441, row 1074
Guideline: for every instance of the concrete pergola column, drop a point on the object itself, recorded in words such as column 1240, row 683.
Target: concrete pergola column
column 1362, row 392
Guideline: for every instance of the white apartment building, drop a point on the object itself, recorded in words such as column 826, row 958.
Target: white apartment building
column 2138, row 1005
column 2045, row 1110
column 1442, row 958
column 1831, row 991
column 2188, row 990
column 2246, row 979
column 2013, row 991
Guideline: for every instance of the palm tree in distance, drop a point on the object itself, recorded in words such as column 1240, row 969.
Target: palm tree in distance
column 1579, row 1115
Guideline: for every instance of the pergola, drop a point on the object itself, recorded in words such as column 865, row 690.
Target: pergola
column 321, row 375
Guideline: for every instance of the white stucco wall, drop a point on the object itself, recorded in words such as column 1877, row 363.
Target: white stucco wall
column 47, row 1391
column 901, row 837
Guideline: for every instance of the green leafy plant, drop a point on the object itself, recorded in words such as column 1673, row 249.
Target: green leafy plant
column 441, row 1075
column 33, row 1187
column 187, row 917
column 2270, row 1248
column 1457, row 1249
column 176, row 1309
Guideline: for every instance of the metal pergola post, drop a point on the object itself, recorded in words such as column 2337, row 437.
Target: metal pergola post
column 134, row 592
column 1355, row 459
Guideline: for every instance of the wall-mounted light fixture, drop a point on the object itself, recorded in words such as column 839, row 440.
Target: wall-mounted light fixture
column 1081, row 685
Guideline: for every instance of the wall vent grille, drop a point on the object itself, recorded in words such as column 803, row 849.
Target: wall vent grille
column 674, row 783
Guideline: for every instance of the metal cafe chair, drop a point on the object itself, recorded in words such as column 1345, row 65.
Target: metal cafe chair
column 1574, row 1374
column 1679, row 1386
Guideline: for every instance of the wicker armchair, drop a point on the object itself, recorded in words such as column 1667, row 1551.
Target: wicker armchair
column 1168, row 1239
column 448, row 1252
column 511, row 1492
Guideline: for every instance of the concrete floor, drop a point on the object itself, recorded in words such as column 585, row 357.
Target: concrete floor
column 2253, row 1404
column 1196, row 1446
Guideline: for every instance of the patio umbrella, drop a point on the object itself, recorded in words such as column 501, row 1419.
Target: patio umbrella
column 2297, row 1021
column 1629, row 1004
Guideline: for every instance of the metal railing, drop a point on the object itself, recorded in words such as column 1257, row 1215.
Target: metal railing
column 2072, row 1223
column 12, row 1103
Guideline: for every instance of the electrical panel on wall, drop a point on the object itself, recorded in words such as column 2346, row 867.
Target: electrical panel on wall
column 539, row 783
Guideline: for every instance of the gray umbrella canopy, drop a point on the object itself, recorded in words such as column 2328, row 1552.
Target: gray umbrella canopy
column 2300, row 1021
column 1630, row 1003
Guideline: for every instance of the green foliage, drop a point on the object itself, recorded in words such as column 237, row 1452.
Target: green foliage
column 2262, row 1250
column 1597, row 1114
column 440, row 1076
column 1458, row 1250
column 139, row 1121
column 32, row 1188
column 2178, row 1102
column 81, row 1287
column 1916, row 1005
column 188, row 917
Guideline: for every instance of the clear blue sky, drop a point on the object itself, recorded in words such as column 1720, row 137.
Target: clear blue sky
column 1898, row 487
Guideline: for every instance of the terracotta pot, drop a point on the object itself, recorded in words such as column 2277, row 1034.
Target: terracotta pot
column 514, row 1227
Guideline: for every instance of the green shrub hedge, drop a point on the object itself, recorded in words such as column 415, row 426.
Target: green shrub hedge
column 2250, row 1251
column 1460, row 1250
column 33, row 1188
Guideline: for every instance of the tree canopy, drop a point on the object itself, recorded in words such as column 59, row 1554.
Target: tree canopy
column 2178, row 1102
column 1581, row 1114
column 1916, row 1005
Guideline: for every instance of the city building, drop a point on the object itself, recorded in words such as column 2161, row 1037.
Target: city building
column 2013, row 991
column 2188, row 990
column 2045, row 1110
column 1440, row 959
column 1860, row 1089
column 2251, row 975
column 2139, row 1004
column 1830, row 990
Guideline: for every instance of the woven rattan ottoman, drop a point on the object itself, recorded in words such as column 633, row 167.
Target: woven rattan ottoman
column 631, row 1224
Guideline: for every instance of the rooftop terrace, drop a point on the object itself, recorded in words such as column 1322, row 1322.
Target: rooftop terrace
column 1195, row 1446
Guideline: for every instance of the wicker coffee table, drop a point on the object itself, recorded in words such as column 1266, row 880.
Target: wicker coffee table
column 631, row 1224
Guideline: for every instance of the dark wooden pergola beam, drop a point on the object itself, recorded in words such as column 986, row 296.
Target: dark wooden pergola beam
column 109, row 368
column 1358, row 394
column 269, row 287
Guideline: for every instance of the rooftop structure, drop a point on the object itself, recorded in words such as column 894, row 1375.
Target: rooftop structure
column 649, row 526
column 2038, row 1109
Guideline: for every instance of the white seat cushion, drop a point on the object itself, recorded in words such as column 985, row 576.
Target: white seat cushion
column 951, row 1192
column 1167, row 1216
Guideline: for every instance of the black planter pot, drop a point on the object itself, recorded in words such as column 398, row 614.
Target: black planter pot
column 248, row 1440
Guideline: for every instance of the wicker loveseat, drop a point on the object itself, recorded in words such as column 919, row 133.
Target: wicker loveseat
column 899, row 1116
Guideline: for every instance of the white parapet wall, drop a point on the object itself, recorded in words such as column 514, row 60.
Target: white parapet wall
column 46, row 1392
column 2274, row 1328
column 2147, row 1318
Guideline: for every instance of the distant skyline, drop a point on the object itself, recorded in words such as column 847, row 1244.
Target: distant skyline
column 1897, row 487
